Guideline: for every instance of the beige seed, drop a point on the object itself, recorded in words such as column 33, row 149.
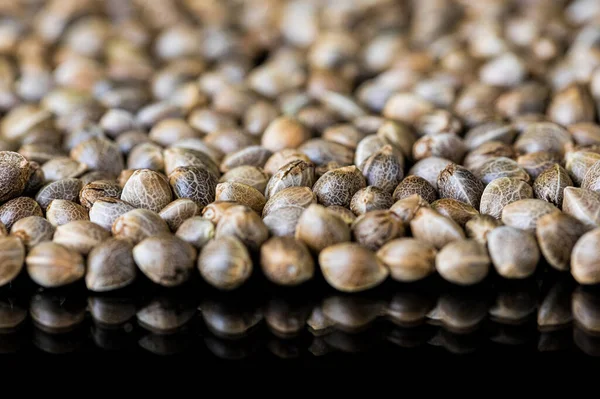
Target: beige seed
column 52, row 265
column 319, row 228
column 383, row 169
column 284, row 132
column 242, row 193
column 32, row 230
column 98, row 189
column 148, row 190
column 583, row 205
column 550, row 184
column 337, row 186
column 502, row 192
column 179, row 211
column 110, row 266
column 105, row 211
column 514, row 252
column 415, row 185
column 478, row 227
column 524, row 214
column 408, row 259
column 556, row 234
column 300, row 197
column 458, row 211
column 245, row 224
column 61, row 212
column 225, row 263
column 17, row 209
column 196, row 231
column 370, row 199
column 195, row 183
column 12, row 258
column 430, row 226
column 252, row 176
column 373, row 229
column 463, row 262
column 138, row 224
column 80, row 236
column 297, row 173
column 585, row 263
column 286, row 261
column 591, row 180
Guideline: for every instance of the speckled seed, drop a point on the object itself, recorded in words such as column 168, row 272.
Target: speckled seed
column 52, row 265
column 284, row 132
column 578, row 163
column 241, row 193
column 447, row 145
column 583, row 205
column 374, row 229
column 99, row 154
column 179, row 211
column 138, row 224
column 12, row 258
column 165, row 259
column 283, row 221
column 297, row 173
column 543, row 136
column 463, row 262
column 478, row 227
column 252, row 176
column 80, row 236
column 337, row 187
column 195, row 183
column 300, row 197
column 14, row 173
column 585, row 262
column 430, row 226
column 514, row 252
column 370, row 199
column 537, row 162
column 61, row 212
column 556, row 234
column 110, row 266
column 280, row 158
column 501, row 192
column 458, row 211
column 18, row 208
column 319, row 228
column 408, row 259
column 286, row 261
column 350, row 267
column 524, row 214
column 415, row 185
column 96, row 175
column 459, row 183
column 62, row 168
column 177, row 157
column 146, row 156
column 99, row 189
column 65, row 189
column 383, row 169
column 225, row 263
column 500, row 167
column 105, row 211
column 196, row 231
column 429, row 169
column 320, row 152
column 147, row 189
column 591, row 180
column 245, row 224
column 550, row 184
column 253, row 155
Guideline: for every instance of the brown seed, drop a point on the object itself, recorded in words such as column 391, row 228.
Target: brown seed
column 374, row 229
column 286, row 261
column 165, row 259
column 319, row 228
column 432, row 227
column 14, row 173
column 124, row 176
column 350, row 267
column 208, row 120
column 99, row 154
column 585, row 263
column 367, row 147
column 514, row 252
column 283, row 157
column 98, row 189
column 18, row 208
column 543, row 136
column 3, row 231
column 168, row 131
column 578, row 163
column 463, row 262
column 530, row 97
column 106, row 210
column 300, row 197
column 61, row 212
column 406, row 208
column 537, row 162
column 383, row 169
column 62, row 168
column 214, row 211
column 585, row 133
column 415, row 185
column 500, row 167
column 556, row 234
column 337, row 186
column 459, row 183
column 32, row 230
column 341, row 104
column 252, row 155
column 458, row 211
column 429, row 169
column 110, row 266
column 52, row 265
column 297, row 173
column 438, row 121
column 12, row 258
column 501, row 192
column 408, row 259
column 491, row 131
column 137, row 225
column 571, row 105
column 259, row 116
column 195, row 183
column 22, row 119
column 179, row 211
column 582, row 204
column 346, row 214
column 345, row 134
column 66, row 189
column 146, row 156
column 36, row 179
column 80, row 236
column 284, row 132
column 245, row 224
column 148, row 190
column 242, row 193
column 321, row 152
column 551, row 183
column 199, row 145
column 448, row 146
column 283, row 221
column 524, row 214
column 478, row 227
column 591, row 180
column 225, row 263
column 398, row 135
column 196, row 231
column 486, row 151
column 176, row 157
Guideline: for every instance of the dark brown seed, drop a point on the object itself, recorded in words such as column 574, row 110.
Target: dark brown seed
column 338, row 186
column 551, row 183
column 98, row 189
column 383, row 169
column 36, row 179
column 459, row 183
column 179, row 211
column 297, row 173
column 17, row 209
column 415, row 185
column 374, row 229
column 370, row 199
column 458, row 211
column 321, row 151
column 557, row 234
column 195, row 183
column 14, row 174
column 66, row 189
column 286, row 261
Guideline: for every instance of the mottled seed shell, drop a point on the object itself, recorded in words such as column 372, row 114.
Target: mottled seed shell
column 14, row 173
column 12, row 258
column 514, row 252
column 321, row 151
column 367, row 147
column 245, row 224
column 478, row 227
column 297, row 173
column 146, row 156
column 99, row 154
column 337, row 186
column 591, row 180
column 383, row 169
column 398, row 135
column 556, row 234
column 350, row 267
column 578, row 163
column 195, row 183
column 490, row 131
column 500, row 167
column 463, row 262
column 415, row 185
column 487, row 151
column 458, row 211
column 459, row 183
column 52, row 265
column 165, row 259
column 32, row 230
column 105, row 211
column 374, row 229
column 176, row 157
column 253, row 155
column 406, row 208
column 137, row 225
column 370, row 199
column 17, row 209
column 430, row 226
column 501, row 192
column 447, row 145
column 61, row 212
column 536, row 162
column 36, row 179
column 319, row 228
column 543, row 136
column 110, row 266
column 283, row 157
column 550, row 184
column 196, row 231
column 147, row 189
column 241, row 193
column 429, row 169
column 99, row 189
column 283, row 221
column 585, row 262
column 225, row 263
column 300, row 197
column 286, row 261
column 524, row 214
column 408, row 259
column 62, row 168
column 65, row 189
column 252, row 176
column 178, row 211
column 583, row 205
column 80, row 236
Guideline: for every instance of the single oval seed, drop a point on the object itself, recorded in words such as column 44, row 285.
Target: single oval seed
column 514, row 252
column 463, row 262
column 408, row 259
column 110, row 266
